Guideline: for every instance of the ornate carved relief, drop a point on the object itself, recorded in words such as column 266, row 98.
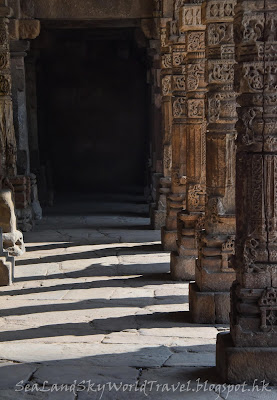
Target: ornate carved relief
column 220, row 10
column 179, row 107
column 196, row 41
column 166, row 85
column 196, row 108
column 221, row 71
column 167, row 61
column 268, row 309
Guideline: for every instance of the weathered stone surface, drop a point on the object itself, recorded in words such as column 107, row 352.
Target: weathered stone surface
column 177, row 270
column 87, row 9
column 202, row 305
column 189, row 176
column 29, row 28
column 12, row 373
column 169, row 239
column 250, row 352
column 247, row 364
column 213, row 272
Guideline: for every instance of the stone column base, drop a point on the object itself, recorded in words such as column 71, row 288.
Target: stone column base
column 209, row 307
column 169, row 239
column 6, row 272
column 182, row 268
column 245, row 364
column 158, row 218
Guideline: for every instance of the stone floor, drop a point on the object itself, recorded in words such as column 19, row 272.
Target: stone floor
column 93, row 301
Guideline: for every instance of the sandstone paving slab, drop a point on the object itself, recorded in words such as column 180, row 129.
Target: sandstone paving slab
column 164, row 393
column 66, row 373
column 191, row 359
column 249, row 392
column 135, row 236
column 40, row 250
column 45, row 236
column 91, row 260
column 89, row 293
column 193, row 344
column 12, row 373
column 142, row 255
column 37, row 270
column 35, row 395
column 171, row 290
column 169, row 321
column 40, row 294
column 186, row 332
column 127, row 294
column 163, row 306
column 131, row 355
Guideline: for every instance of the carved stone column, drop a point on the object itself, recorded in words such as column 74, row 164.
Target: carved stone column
column 190, row 220
column 159, row 213
column 7, row 136
column 176, row 197
column 23, row 184
column 12, row 238
column 151, row 30
column 250, row 352
column 209, row 295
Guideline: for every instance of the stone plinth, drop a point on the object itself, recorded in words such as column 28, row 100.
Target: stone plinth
column 209, row 307
column 168, row 239
column 245, row 364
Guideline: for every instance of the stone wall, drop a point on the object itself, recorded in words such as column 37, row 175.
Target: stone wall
column 87, row 9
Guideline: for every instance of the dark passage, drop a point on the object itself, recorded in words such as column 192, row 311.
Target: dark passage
column 92, row 103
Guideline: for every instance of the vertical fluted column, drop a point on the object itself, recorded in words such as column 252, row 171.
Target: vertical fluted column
column 190, row 219
column 250, row 352
column 209, row 295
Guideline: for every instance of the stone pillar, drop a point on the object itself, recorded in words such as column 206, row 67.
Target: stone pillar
column 31, row 105
column 190, row 219
column 159, row 212
column 12, row 238
column 151, row 30
column 18, row 52
column 7, row 136
column 176, row 197
column 209, row 295
column 21, row 183
column 250, row 351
